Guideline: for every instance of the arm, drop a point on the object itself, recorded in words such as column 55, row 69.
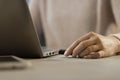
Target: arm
column 93, row 45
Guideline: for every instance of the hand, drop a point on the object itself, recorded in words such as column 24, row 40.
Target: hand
column 93, row 45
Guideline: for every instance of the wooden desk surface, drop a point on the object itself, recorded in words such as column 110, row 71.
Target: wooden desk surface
column 61, row 68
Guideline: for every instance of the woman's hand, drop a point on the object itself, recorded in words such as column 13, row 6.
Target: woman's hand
column 93, row 45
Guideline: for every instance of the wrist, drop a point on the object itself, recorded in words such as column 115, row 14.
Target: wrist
column 116, row 42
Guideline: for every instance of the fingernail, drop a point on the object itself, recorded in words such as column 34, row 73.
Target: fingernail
column 66, row 54
column 85, row 57
column 88, row 57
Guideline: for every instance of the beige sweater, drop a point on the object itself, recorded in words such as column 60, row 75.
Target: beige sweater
column 64, row 21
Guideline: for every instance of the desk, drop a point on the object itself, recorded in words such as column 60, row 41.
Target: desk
column 61, row 68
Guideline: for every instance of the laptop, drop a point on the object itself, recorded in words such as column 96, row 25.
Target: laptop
column 18, row 35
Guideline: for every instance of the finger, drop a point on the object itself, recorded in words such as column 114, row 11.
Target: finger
column 83, row 45
column 87, row 36
column 105, row 53
column 70, row 49
column 96, row 55
column 92, row 48
column 102, row 53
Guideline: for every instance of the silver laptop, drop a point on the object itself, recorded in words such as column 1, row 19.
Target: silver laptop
column 17, row 33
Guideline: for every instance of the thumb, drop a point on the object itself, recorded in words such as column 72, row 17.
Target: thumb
column 96, row 55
